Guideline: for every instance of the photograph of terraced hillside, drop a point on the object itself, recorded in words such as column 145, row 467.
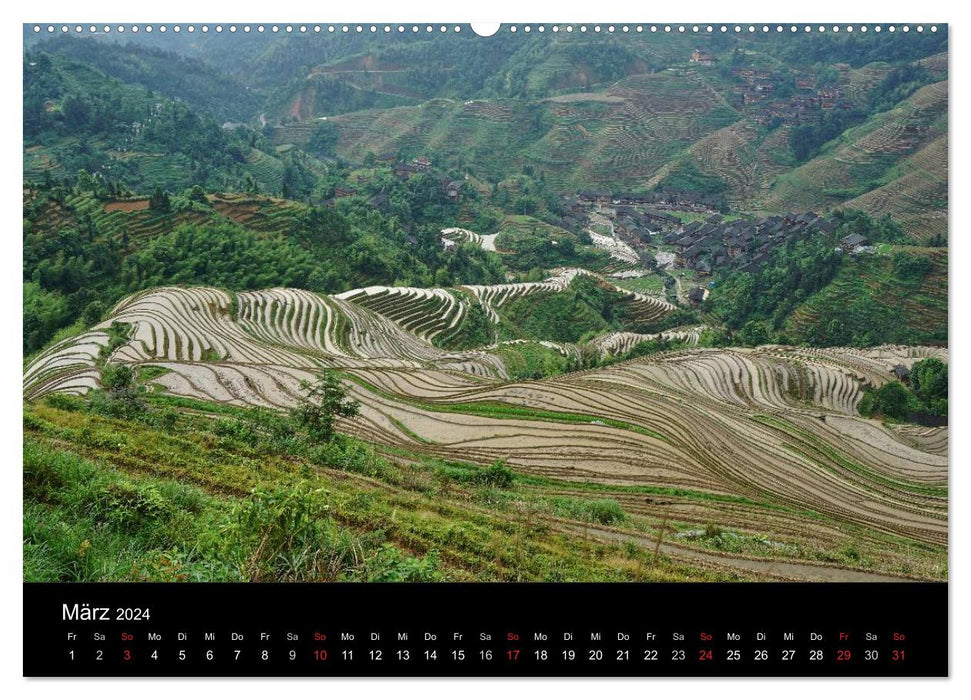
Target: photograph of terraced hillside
column 400, row 305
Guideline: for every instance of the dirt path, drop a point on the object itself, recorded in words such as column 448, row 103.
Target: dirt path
column 779, row 569
column 679, row 288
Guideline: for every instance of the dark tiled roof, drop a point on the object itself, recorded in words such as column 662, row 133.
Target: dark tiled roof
column 854, row 239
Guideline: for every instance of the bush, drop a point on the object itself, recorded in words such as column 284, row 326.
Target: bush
column 325, row 402
column 893, row 400
column 606, row 511
column 389, row 565
column 754, row 333
column 929, row 380
column 356, row 457
column 119, row 398
column 912, row 268
column 286, row 534
column 323, row 139
column 532, row 361
column 237, row 430
column 93, row 312
column 497, row 475
column 650, row 347
column 130, row 507
column 65, row 402
column 117, row 377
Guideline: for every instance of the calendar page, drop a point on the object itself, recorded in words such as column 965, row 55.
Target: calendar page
column 550, row 349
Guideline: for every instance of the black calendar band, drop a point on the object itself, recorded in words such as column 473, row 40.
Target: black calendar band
column 644, row 630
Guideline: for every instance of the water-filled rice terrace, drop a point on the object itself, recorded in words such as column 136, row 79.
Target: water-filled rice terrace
column 766, row 442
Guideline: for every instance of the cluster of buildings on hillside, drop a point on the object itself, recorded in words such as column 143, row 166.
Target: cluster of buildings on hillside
column 638, row 215
column 755, row 89
column 422, row 164
column 708, row 243
column 631, row 221
column 404, row 170
column 744, row 244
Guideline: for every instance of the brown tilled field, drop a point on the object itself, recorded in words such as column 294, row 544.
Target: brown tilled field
column 127, row 205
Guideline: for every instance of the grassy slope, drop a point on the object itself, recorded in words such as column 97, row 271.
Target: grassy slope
column 865, row 157
column 619, row 141
column 866, row 295
column 170, row 494
column 918, row 196
column 113, row 499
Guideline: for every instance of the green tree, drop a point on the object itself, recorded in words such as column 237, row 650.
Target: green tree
column 912, row 268
column 323, row 139
column 497, row 475
column 893, row 400
column 84, row 182
column 197, row 194
column 325, row 402
column 929, row 380
column 754, row 333
column 93, row 312
column 527, row 204
column 44, row 312
column 120, row 397
column 117, row 378
column 76, row 111
column 159, row 201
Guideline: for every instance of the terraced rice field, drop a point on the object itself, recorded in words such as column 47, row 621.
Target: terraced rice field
column 766, row 442
column 623, row 341
column 936, row 64
column 867, row 154
column 859, row 82
column 621, row 136
column 68, row 367
column 642, row 307
column 922, row 309
column 661, row 114
column 257, row 212
column 127, row 206
column 265, row 169
column 425, row 312
column 461, row 235
column 37, row 162
column 917, row 199
column 131, row 217
column 373, row 326
column 730, row 154
column 724, row 422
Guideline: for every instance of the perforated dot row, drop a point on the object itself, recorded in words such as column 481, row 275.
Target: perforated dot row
column 428, row 28
column 245, row 28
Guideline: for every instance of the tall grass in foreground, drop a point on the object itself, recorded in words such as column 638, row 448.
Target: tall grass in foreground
column 86, row 522
column 180, row 490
